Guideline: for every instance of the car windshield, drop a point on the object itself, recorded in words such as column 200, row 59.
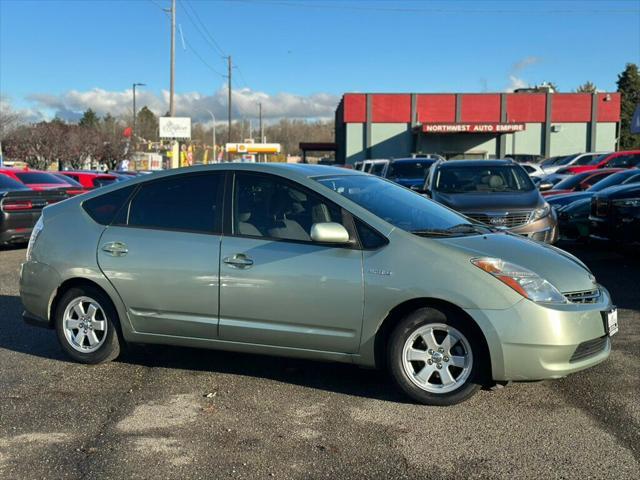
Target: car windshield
column 571, row 182
column 480, row 179
column 615, row 179
column 7, row 184
column 31, row 178
column 564, row 160
column 377, row 168
column 68, row 180
column 410, row 169
column 400, row 207
column 598, row 159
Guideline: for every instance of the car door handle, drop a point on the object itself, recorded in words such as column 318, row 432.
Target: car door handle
column 239, row 260
column 115, row 249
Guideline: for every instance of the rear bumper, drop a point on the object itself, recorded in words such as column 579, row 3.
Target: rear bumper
column 15, row 235
column 38, row 285
column 530, row 341
column 35, row 321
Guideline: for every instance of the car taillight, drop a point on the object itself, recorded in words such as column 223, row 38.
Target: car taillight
column 15, row 205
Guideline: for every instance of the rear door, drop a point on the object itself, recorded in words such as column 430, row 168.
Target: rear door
column 277, row 286
column 162, row 255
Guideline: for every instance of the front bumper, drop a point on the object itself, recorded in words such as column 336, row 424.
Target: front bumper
column 530, row 341
column 543, row 230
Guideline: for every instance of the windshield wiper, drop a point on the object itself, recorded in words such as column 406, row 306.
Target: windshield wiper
column 470, row 228
column 433, row 233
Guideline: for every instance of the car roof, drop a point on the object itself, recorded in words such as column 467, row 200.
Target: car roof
column 416, row 159
column 478, row 163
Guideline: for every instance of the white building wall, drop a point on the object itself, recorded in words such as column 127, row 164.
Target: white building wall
column 391, row 140
column 355, row 149
column 606, row 137
column 529, row 141
column 571, row 138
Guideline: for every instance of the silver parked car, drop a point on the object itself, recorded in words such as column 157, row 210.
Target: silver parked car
column 316, row 262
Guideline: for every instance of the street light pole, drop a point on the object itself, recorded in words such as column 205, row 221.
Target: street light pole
column 213, row 117
column 133, row 130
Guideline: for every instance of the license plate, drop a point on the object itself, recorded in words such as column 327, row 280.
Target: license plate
column 612, row 322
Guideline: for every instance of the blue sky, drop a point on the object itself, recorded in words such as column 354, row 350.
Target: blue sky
column 298, row 57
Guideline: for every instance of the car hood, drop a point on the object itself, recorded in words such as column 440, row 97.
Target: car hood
column 561, row 269
column 482, row 202
column 567, row 198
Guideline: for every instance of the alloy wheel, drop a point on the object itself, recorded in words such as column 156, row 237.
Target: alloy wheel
column 84, row 324
column 437, row 358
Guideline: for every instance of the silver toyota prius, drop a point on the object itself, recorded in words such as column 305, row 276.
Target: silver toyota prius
column 316, row 262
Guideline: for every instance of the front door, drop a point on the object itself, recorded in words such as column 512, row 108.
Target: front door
column 162, row 256
column 278, row 287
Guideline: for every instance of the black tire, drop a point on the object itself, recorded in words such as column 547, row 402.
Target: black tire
column 401, row 334
column 111, row 341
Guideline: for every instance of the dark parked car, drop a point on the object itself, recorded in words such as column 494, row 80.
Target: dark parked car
column 498, row 193
column 408, row 172
column 573, row 220
column 579, row 182
column 20, row 208
column 624, row 177
column 615, row 214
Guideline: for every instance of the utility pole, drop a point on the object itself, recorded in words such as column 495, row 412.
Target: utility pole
column 229, row 112
column 260, row 157
column 173, row 58
column 133, row 130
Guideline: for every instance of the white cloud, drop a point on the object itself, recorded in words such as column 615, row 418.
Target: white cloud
column 70, row 105
column 515, row 77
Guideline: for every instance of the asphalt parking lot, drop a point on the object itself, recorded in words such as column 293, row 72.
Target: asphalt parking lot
column 166, row 412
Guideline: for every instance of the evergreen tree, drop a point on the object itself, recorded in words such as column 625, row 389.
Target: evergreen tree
column 629, row 88
column 89, row 119
column 587, row 87
column 147, row 125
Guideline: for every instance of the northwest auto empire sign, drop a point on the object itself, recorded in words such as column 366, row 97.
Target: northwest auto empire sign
column 175, row 127
column 473, row 127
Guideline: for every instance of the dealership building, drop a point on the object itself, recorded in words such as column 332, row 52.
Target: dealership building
column 475, row 125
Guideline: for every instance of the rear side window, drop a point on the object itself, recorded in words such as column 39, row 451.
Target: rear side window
column 104, row 208
column 7, row 183
column 185, row 202
column 102, row 181
column 31, row 178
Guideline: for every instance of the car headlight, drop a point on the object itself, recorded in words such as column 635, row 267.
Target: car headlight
column 527, row 283
column 627, row 202
column 37, row 228
column 541, row 212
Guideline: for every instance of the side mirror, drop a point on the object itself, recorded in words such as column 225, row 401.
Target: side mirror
column 545, row 186
column 329, row 232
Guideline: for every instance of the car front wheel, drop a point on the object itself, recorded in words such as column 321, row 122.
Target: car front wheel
column 434, row 357
column 86, row 324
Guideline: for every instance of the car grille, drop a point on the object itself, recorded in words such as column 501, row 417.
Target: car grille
column 584, row 296
column 508, row 220
column 599, row 207
column 589, row 348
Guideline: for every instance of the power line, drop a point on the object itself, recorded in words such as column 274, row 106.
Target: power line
column 201, row 27
column 440, row 10
column 204, row 62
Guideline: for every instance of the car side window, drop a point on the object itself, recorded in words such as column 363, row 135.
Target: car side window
column 621, row 161
column 267, row 206
column 585, row 160
column 104, row 208
column 183, row 202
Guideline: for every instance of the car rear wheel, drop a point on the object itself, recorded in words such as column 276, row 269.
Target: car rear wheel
column 87, row 325
column 434, row 358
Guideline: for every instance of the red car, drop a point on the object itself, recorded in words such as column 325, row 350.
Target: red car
column 38, row 180
column 625, row 159
column 91, row 180
column 580, row 181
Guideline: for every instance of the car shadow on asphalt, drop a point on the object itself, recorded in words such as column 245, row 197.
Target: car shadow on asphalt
column 347, row 379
